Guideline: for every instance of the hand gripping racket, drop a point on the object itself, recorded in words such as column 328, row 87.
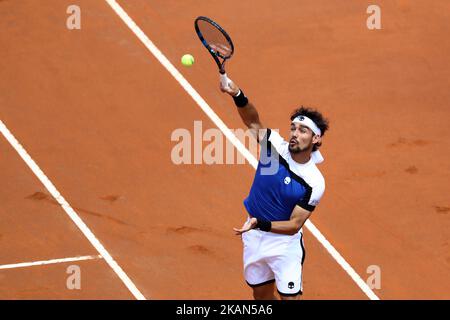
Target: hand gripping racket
column 218, row 43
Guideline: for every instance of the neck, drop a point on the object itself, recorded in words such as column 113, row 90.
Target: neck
column 301, row 157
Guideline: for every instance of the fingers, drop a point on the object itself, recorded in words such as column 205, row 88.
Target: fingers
column 228, row 86
column 229, row 91
column 238, row 231
column 244, row 228
column 224, row 89
column 248, row 225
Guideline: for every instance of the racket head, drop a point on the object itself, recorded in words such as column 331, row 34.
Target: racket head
column 215, row 39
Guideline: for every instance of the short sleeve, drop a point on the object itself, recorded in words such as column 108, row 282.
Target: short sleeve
column 312, row 199
column 273, row 139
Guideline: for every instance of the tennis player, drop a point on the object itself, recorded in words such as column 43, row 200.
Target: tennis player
column 286, row 189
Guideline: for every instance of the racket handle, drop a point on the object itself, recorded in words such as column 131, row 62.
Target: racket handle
column 224, row 80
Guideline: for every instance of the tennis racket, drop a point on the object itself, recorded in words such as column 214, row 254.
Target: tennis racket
column 218, row 43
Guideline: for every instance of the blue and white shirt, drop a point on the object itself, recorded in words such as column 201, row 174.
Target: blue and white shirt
column 281, row 183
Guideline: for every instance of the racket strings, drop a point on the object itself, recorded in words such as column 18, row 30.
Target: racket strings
column 215, row 39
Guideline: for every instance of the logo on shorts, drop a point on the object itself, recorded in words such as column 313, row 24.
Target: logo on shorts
column 291, row 285
column 287, row 180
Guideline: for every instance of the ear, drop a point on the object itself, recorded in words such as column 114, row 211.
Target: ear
column 316, row 139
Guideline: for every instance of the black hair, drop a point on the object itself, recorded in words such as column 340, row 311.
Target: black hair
column 315, row 116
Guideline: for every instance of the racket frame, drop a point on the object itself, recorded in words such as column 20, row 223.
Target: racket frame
column 215, row 54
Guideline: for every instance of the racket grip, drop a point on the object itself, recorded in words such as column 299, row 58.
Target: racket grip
column 224, row 80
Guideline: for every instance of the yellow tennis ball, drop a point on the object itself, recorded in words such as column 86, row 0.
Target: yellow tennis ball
column 187, row 60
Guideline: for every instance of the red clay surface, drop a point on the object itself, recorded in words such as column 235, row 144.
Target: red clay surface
column 96, row 110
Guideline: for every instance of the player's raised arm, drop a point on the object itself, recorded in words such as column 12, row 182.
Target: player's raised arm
column 246, row 109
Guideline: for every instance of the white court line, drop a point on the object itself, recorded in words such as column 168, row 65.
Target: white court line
column 70, row 212
column 241, row 148
column 45, row 262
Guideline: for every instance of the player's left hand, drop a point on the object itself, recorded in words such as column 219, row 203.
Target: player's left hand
column 248, row 225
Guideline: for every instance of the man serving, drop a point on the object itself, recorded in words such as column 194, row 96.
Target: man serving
column 286, row 189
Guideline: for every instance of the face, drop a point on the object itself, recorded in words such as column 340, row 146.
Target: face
column 301, row 138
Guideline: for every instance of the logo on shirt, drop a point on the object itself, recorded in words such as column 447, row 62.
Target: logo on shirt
column 291, row 285
column 287, row 180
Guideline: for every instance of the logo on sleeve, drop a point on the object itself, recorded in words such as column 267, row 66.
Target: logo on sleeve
column 291, row 285
column 287, row 180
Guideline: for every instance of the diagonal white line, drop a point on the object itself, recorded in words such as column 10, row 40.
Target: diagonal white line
column 46, row 262
column 183, row 82
column 70, row 212
column 241, row 148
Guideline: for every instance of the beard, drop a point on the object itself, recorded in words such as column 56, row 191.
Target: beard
column 297, row 148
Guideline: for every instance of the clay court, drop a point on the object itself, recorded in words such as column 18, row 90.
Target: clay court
column 94, row 109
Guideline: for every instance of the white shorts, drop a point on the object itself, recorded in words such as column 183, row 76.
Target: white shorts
column 271, row 257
